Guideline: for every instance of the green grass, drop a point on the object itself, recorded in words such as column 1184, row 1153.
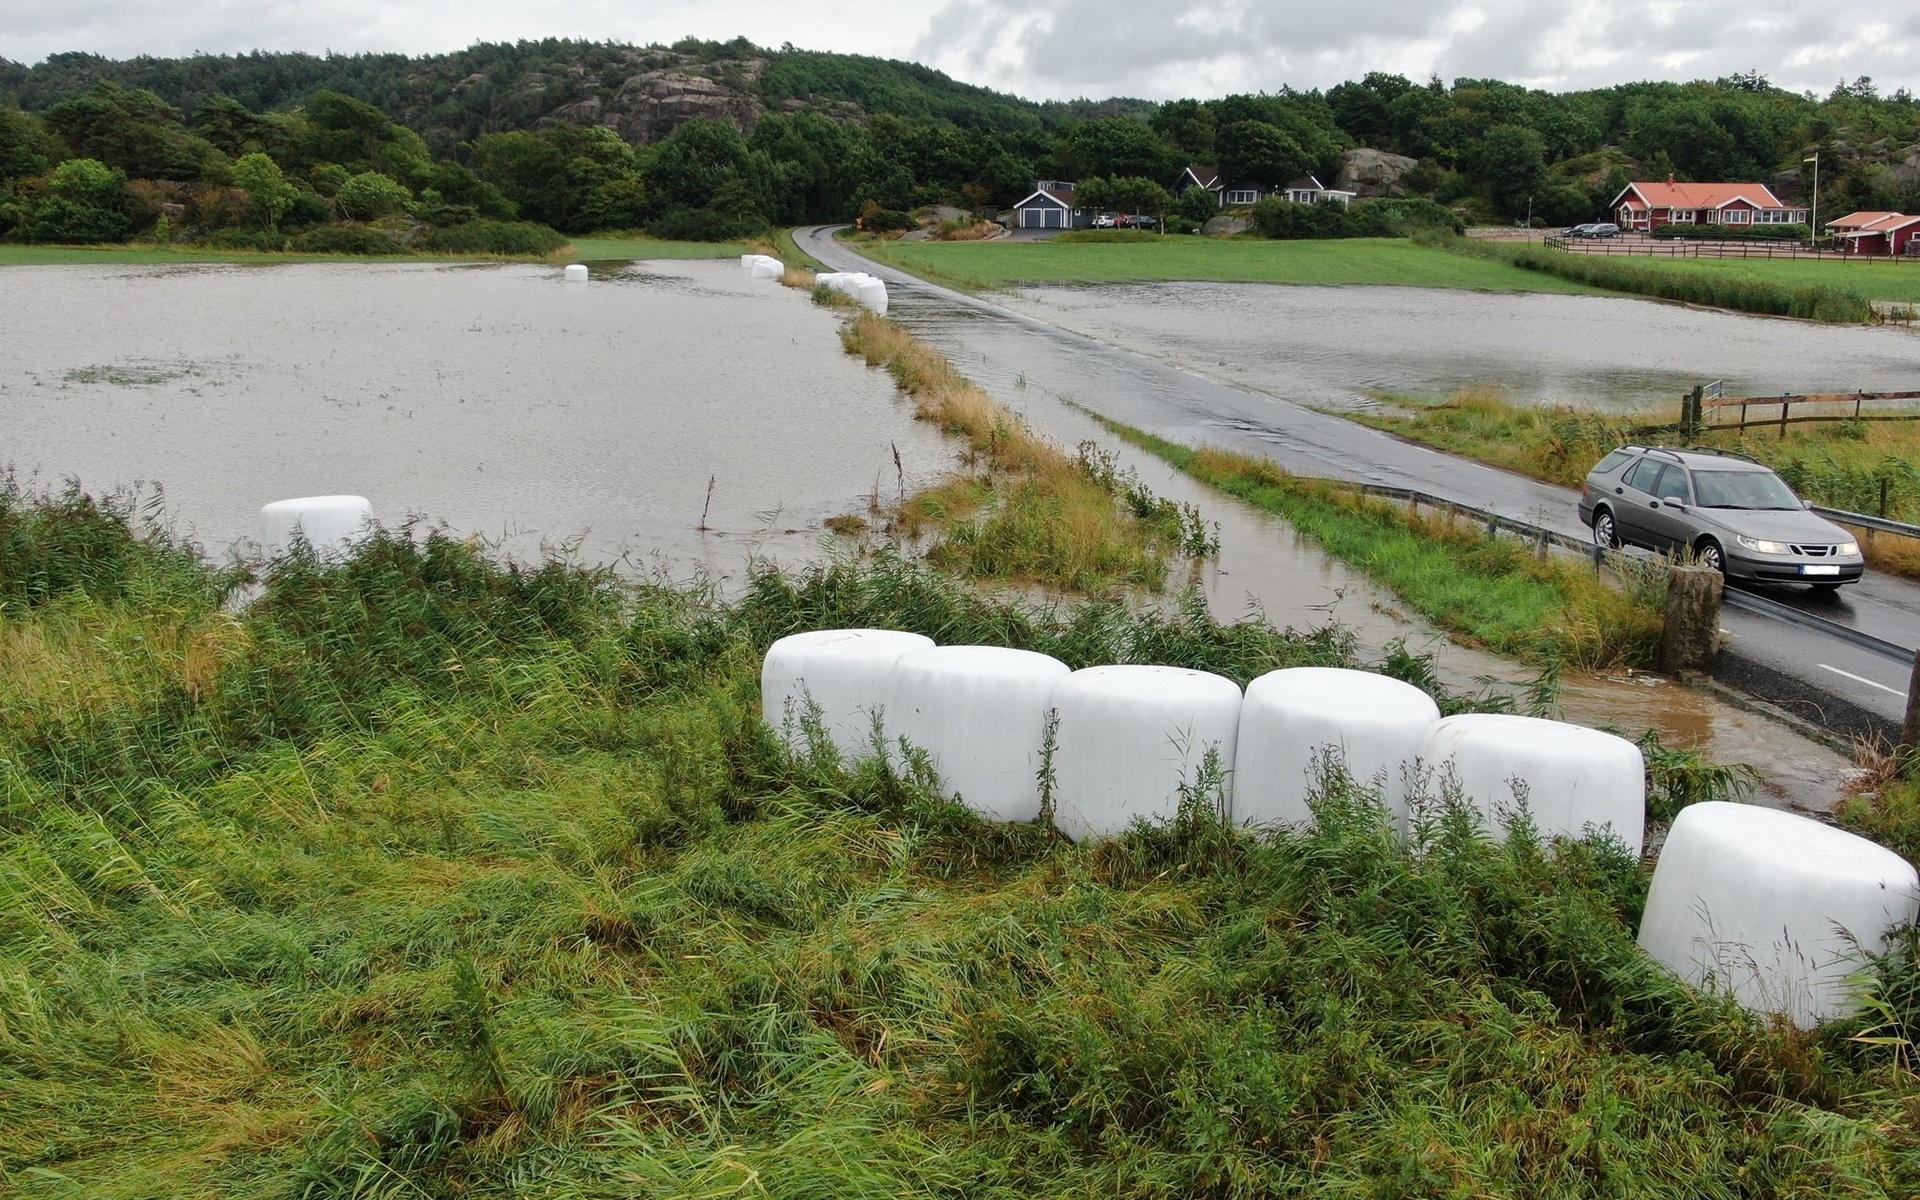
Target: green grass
column 1490, row 591
column 1875, row 280
column 1001, row 264
column 423, row 877
column 610, row 247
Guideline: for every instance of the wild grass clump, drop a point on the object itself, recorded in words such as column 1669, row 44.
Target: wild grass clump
column 447, row 878
column 1032, row 513
column 1813, row 302
column 1494, row 592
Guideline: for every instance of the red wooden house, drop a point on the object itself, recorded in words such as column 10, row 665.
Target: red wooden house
column 1882, row 233
column 1648, row 206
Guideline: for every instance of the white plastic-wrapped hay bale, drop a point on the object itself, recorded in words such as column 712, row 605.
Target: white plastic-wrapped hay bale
column 575, row 273
column 747, row 261
column 766, row 267
column 1129, row 737
column 330, row 524
column 843, row 674
column 1772, row 908
column 980, row 713
column 872, row 293
column 1292, row 720
column 1573, row 778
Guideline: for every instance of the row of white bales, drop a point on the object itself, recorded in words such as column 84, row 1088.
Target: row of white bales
column 859, row 286
column 1776, row 909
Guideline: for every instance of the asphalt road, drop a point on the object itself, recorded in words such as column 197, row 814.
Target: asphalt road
column 1810, row 672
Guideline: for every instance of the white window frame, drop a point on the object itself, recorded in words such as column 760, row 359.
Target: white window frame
column 1735, row 216
column 1686, row 216
column 1243, row 197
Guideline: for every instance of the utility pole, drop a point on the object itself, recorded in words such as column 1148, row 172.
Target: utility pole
column 1813, row 233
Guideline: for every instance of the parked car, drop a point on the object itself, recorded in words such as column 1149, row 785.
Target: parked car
column 1605, row 229
column 1145, row 222
column 1577, row 231
column 1104, row 221
column 1730, row 513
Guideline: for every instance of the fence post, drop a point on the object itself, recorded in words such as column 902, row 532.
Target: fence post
column 1691, row 406
column 1910, row 727
column 1691, row 632
column 1783, row 418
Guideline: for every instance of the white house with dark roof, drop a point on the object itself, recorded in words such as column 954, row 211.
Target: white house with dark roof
column 1244, row 193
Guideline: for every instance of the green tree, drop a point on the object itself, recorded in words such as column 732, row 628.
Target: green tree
column 136, row 132
column 369, row 195
column 1198, row 205
column 260, row 177
column 1511, row 161
column 85, row 200
column 27, row 146
column 1262, row 153
column 1117, row 146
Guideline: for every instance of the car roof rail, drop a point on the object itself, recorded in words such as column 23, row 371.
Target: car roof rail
column 1669, row 452
column 1725, row 454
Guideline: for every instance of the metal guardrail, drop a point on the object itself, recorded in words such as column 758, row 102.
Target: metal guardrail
column 1867, row 521
column 1734, row 597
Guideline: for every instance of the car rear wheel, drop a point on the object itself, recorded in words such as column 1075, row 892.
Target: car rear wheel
column 1604, row 534
column 1708, row 552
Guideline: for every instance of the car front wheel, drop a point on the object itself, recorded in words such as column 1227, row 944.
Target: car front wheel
column 1710, row 556
column 1604, row 533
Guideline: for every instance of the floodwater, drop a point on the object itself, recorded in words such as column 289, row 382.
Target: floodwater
column 1340, row 347
column 496, row 399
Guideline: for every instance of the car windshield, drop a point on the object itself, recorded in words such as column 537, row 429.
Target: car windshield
column 1742, row 489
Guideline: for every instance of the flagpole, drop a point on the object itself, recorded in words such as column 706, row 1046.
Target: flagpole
column 1813, row 234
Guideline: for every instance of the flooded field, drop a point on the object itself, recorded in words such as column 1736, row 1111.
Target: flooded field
column 494, row 398
column 1337, row 347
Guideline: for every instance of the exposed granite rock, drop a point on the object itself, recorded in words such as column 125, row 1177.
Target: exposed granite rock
column 1373, row 172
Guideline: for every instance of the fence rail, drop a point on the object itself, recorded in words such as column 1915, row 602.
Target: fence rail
column 1705, row 406
column 1681, row 248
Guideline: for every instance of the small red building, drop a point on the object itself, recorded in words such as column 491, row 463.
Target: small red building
column 1882, row 233
column 1648, row 206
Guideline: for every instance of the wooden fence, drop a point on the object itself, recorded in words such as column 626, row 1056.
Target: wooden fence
column 1700, row 412
column 1681, row 248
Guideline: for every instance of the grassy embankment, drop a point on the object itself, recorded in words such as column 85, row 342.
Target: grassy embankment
column 1025, row 511
column 586, row 249
column 1491, row 592
column 1840, row 464
column 424, row 877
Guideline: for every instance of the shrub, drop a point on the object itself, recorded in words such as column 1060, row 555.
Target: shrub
column 243, row 239
column 85, row 201
column 875, row 219
column 371, row 194
column 496, row 237
column 1283, row 219
column 710, row 224
column 348, row 239
column 1740, row 233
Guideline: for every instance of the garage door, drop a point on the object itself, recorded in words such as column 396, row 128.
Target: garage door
column 1029, row 218
column 1053, row 218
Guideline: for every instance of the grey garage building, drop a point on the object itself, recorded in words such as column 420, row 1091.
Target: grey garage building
column 1050, row 207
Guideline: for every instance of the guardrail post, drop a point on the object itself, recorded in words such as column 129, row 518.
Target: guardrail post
column 1910, row 727
column 1691, row 632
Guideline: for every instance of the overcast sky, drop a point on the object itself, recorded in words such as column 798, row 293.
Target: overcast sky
column 1070, row 48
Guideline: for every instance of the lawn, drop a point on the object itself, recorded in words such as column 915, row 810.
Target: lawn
column 1874, row 280
column 1392, row 261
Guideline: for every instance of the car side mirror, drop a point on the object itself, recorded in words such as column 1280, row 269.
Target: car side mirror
column 1806, row 504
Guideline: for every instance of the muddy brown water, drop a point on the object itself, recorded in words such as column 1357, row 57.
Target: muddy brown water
column 505, row 403
column 1338, row 347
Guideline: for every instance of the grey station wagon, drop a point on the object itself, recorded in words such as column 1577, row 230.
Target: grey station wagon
column 1731, row 513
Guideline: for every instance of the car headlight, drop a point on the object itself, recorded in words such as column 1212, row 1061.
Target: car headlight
column 1847, row 549
column 1762, row 546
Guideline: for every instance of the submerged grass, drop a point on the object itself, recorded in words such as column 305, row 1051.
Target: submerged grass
column 424, row 876
column 1493, row 592
column 1028, row 512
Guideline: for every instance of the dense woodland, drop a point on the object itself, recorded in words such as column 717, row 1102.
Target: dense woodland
column 498, row 146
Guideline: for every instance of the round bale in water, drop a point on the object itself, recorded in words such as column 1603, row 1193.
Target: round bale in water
column 980, row 713
column 840, row 675
column 331, row 524
column 1294, row 720
column 872, row 293
column 575, row 273
column 747, row 261
column 1573, row 778
column 765, row 267
column 1129, row 737
column 1777, row 910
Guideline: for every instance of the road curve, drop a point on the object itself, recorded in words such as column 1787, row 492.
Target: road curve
column 1809, row 672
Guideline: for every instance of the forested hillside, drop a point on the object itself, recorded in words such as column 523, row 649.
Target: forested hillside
column 711, row 139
